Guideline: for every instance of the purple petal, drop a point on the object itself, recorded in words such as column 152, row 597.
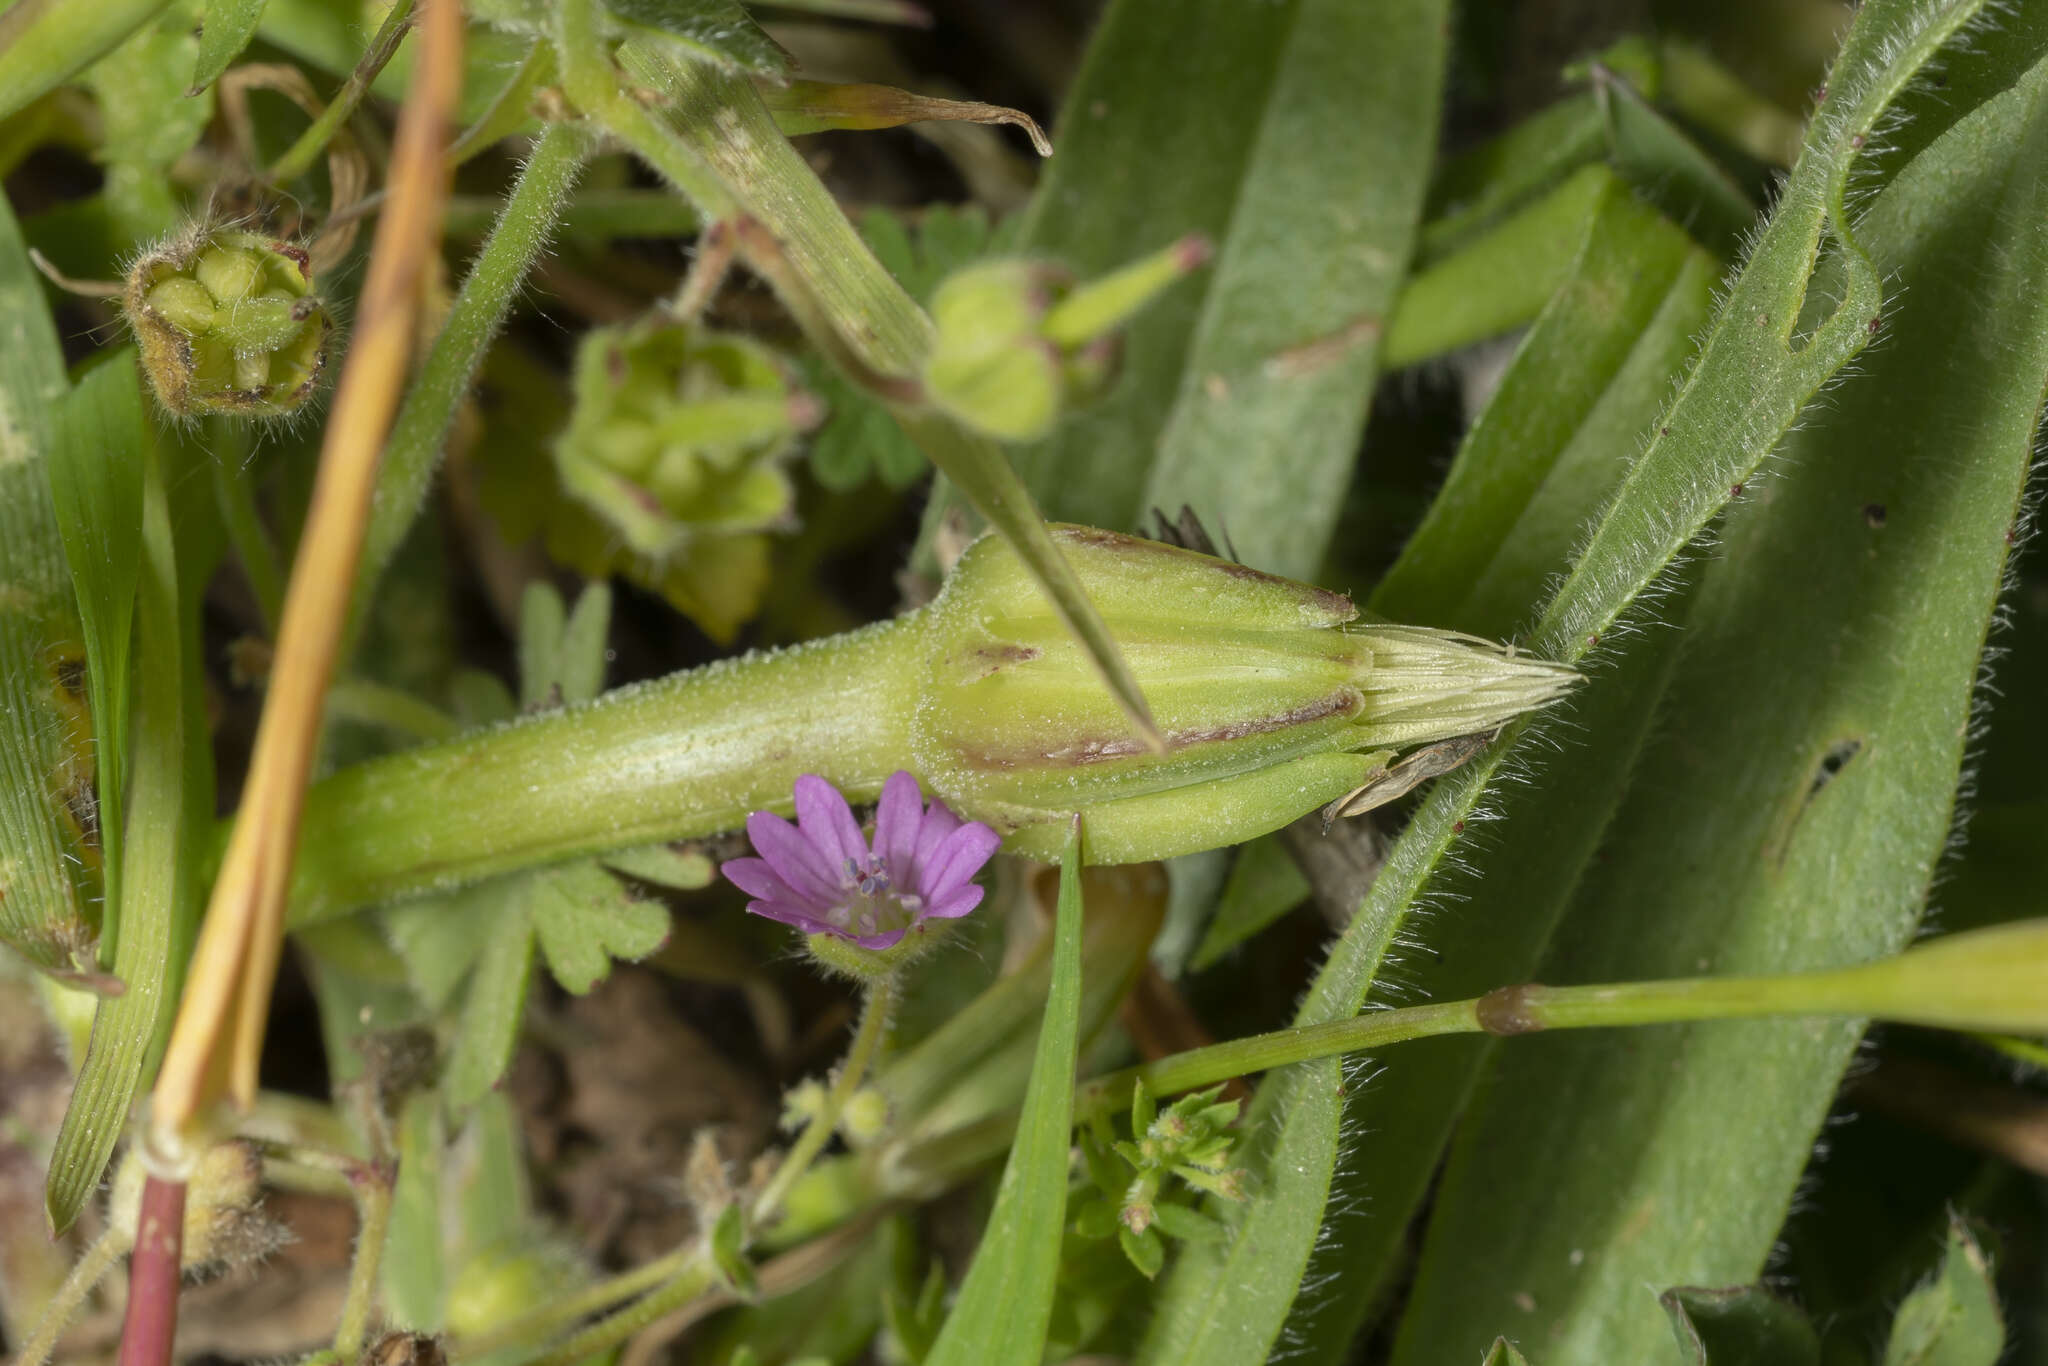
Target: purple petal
column 955, row 903
column 757, row 878
column 887, row 939
column 938, row 823
column 898, row 821
column 808, row 870
column 791, row 915
column 827, row 822
column 959, row 858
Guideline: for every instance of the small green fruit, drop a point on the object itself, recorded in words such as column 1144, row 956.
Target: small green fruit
column 227, row 323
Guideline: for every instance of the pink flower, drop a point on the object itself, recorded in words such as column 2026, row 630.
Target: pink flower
column 822, row 877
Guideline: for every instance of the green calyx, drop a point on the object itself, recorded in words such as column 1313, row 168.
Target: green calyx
column 1019, row 343
column 679, row 431
column 228, row 324
column 1271, row 697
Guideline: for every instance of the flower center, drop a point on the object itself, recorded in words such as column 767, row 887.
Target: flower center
column 872, row 905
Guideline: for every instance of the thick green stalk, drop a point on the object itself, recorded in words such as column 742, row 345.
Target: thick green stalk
column 686, row 756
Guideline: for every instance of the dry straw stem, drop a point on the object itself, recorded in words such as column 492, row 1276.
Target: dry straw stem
column 219, row 1031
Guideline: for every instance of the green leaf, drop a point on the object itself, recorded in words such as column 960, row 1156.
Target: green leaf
column 491, row 1011
column 229, row 26
column 1264, row 885
column 1831, row 653
column 1745, row 1326
column 1748, row 387
column 43, row 45
column 1952, row 1319
column 721, row 30
column 95, row 470
column 1005, row 1303
column 413, row 1275
column 44, row 759
column 1503, row 1353
column 441, row 937
column 584, row 919
column 169, row 806
column 148, row 122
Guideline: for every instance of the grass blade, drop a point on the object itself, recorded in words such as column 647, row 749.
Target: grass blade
column 1834, row 648
column 44, row 765
column 1005, row 1304
column 1271, row 400
column 95, row 471
column 1747, row 389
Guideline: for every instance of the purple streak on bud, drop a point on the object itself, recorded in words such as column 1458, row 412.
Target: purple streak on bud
column 822, row 877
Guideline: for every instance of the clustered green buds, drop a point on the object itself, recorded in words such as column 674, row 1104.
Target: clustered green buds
column 1019, row 343
column 679, row 430
column 1271, row 698
column 1187, row 1143
column 228, row 323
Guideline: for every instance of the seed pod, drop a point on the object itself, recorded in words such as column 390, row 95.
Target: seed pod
column 227, row 322
column 1270, row 697
column 679, row 431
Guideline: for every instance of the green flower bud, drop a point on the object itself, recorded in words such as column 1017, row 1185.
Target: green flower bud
column 507, row 1280
column 227, row 322
column 1271, row 697
column 679, row 431
column 1019, row 343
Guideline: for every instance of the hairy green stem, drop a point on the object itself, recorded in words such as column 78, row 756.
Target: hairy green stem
column 696, row 1277
column 678, row 758
column 89, row 1270
column 413, row 451
column 544, row 1322
column 867, row 1038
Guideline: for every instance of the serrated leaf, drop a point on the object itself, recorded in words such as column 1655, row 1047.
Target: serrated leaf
column 229, row 26
column 721, row 30
column 1834, row 649
column 491, row 1010
column 664, row 865
column 1005, row 1304
column 440, row 938
column 1953, row 1318
column 1749, row 386
column 584, row 919
column 1744, row 1326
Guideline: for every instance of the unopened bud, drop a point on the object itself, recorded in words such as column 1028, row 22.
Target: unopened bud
column 228, row 323
column 679, row 431
column 1019, row 343
column 222, row 1220
column 1271, row 698
column 866, row 1117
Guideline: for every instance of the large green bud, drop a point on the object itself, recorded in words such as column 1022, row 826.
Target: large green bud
column 679, row 431
column 228, row 323
column 1273, row 699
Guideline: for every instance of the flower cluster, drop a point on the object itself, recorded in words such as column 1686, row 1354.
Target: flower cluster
column 821, row 876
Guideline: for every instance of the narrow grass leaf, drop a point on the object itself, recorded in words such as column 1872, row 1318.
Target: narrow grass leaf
column 1229, row 1305
column 1271, row 400
column 45, row 760
column 1831, row 655
column 95, row 470
column 1005, row 1303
